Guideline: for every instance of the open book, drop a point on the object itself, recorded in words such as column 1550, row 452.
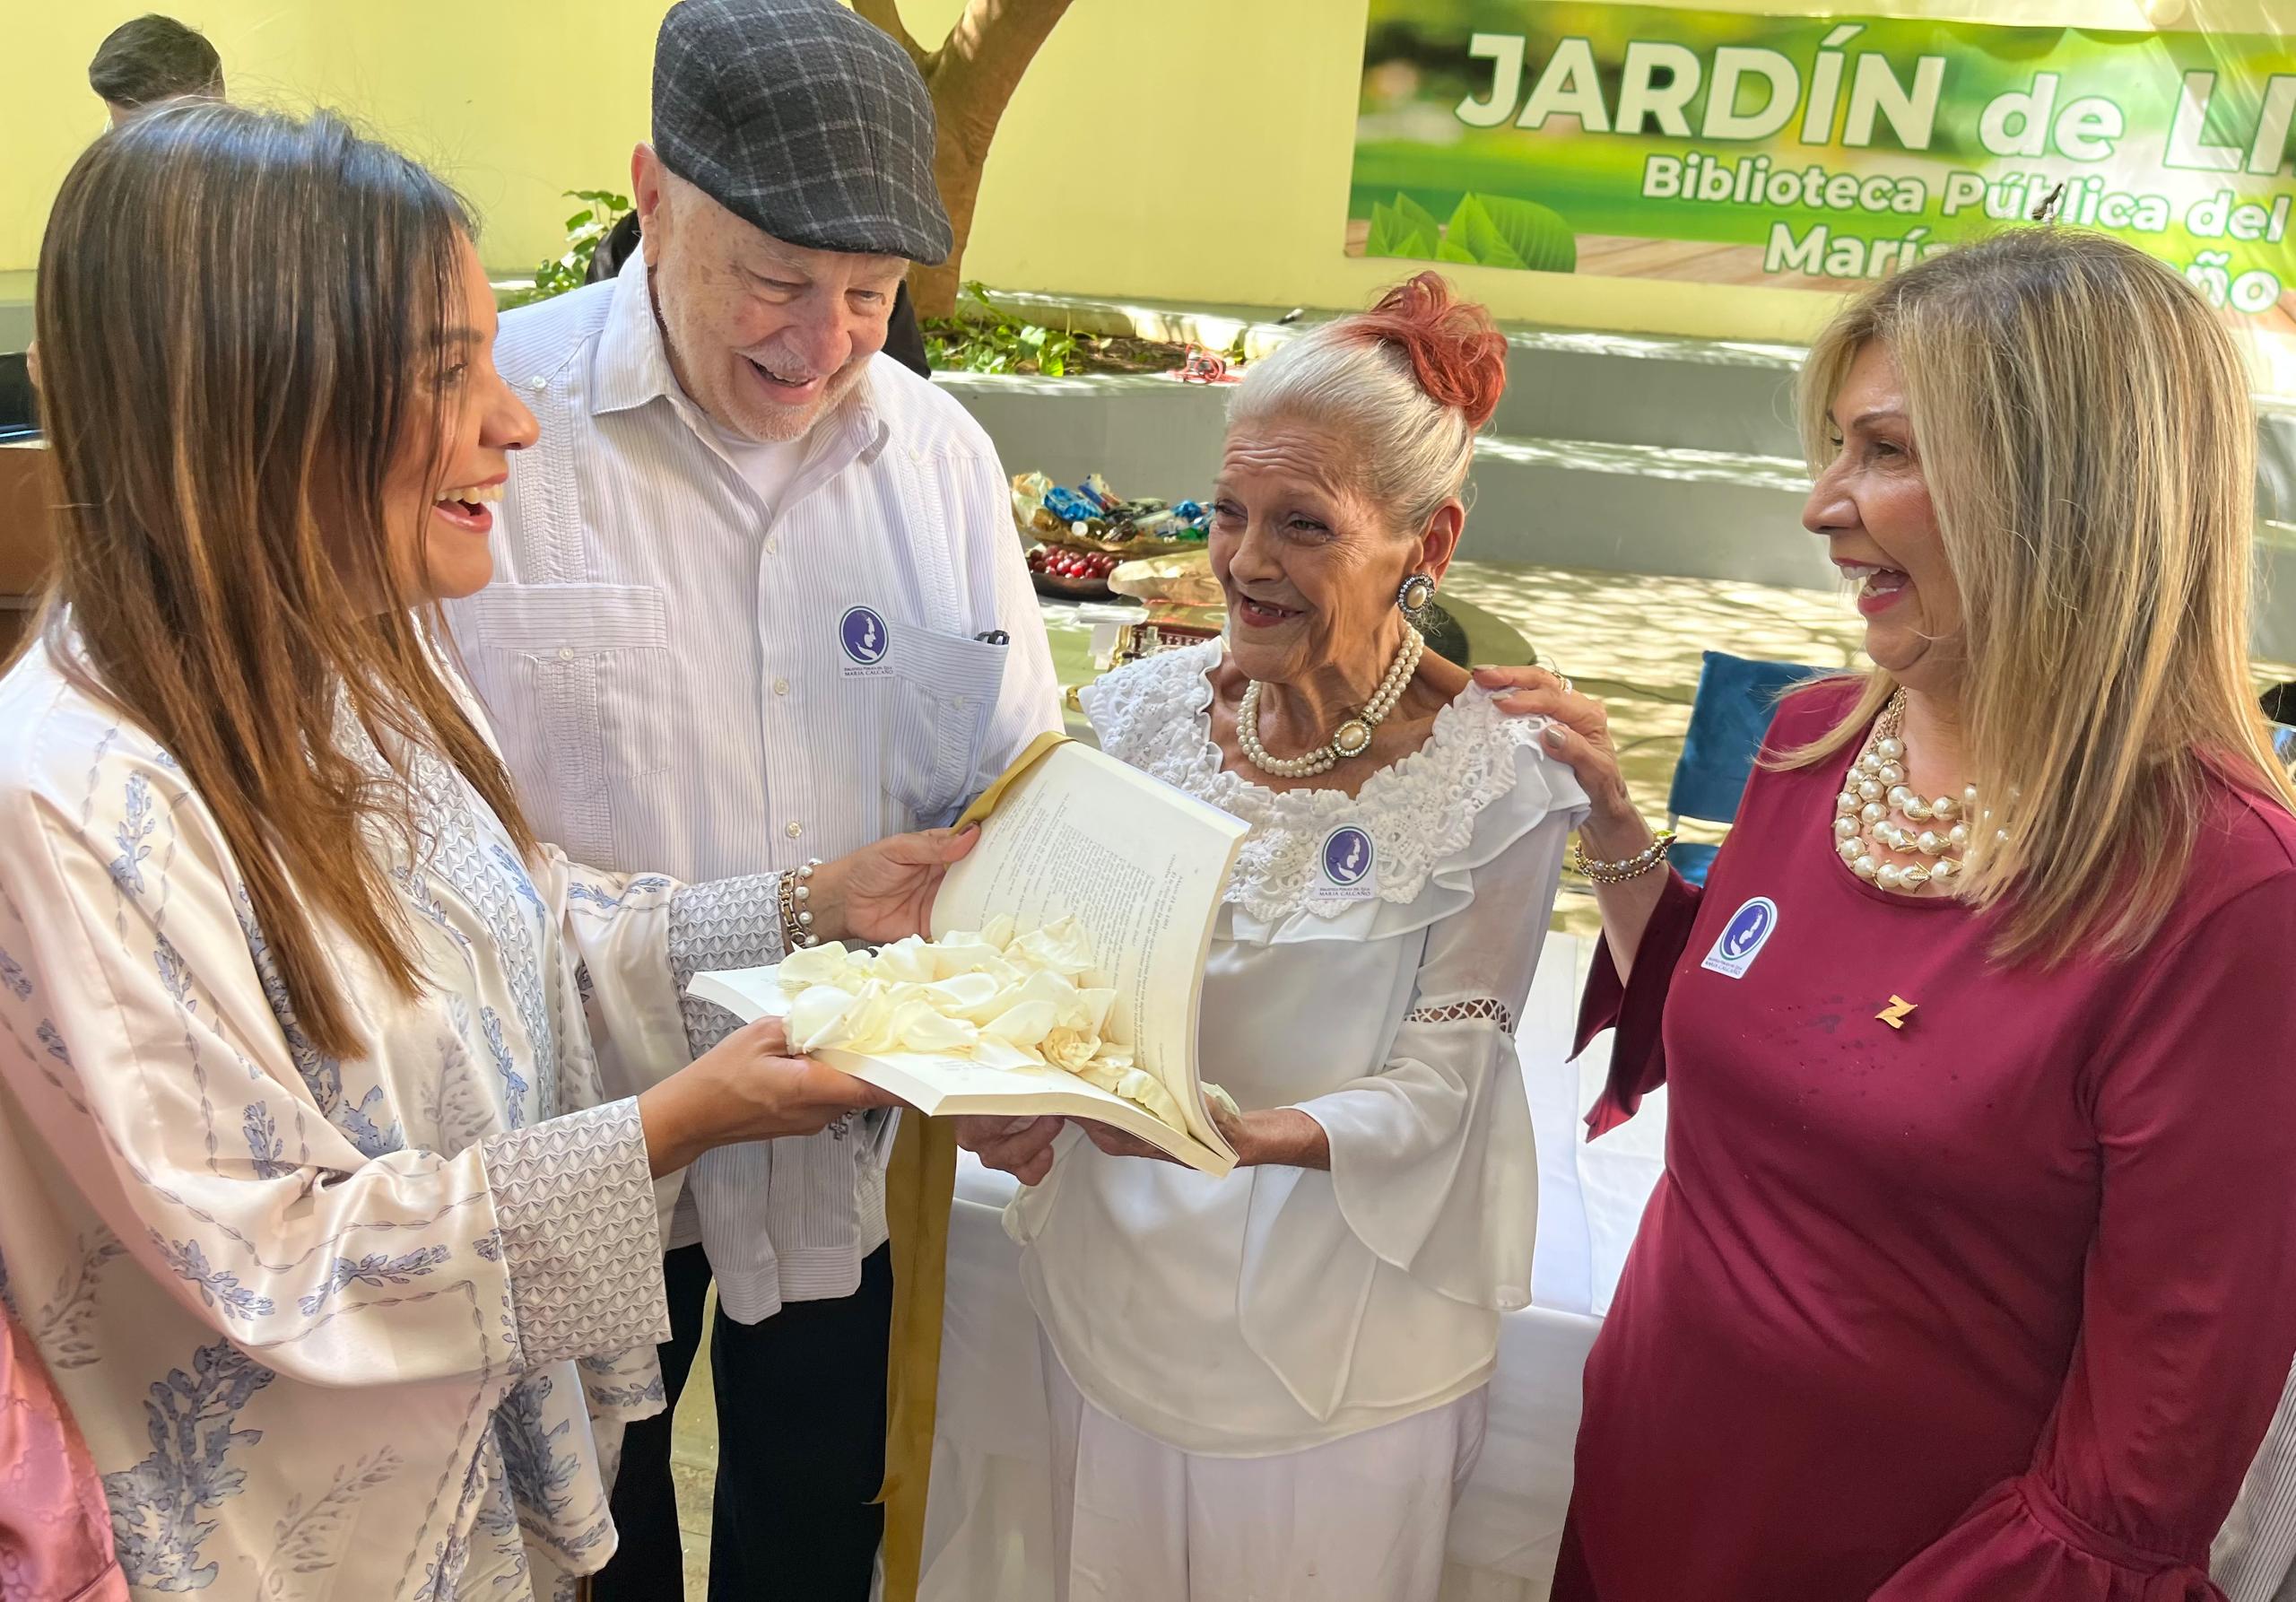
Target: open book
column 1069, row 833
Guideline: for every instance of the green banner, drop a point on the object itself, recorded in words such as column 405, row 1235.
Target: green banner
column 1648, row 142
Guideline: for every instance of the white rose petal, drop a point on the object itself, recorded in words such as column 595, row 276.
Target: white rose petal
column 1024, row 1024
column 813, row 965
column 817, row 1017
column 920, row 1028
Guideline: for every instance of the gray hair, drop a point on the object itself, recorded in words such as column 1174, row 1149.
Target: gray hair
column 1409, row 383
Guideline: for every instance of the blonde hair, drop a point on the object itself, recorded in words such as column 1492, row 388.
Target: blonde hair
column 2084, row 429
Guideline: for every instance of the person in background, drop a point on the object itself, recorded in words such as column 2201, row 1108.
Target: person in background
column 761, row 600
column 331, row 1228
column 150, row 61
column 1274, row 1383
column 54, row 1524
column 1972, row 1273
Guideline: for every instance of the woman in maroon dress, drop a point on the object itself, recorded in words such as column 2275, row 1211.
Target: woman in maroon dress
column 1972, row 1274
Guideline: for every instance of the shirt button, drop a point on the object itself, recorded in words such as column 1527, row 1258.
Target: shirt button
column 773, row 548
column 793, row 829
column 565, row 653
column 538, row 383
column 781, row 686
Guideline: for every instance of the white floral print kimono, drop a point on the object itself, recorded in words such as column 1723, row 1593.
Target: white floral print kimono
column 331, row 1328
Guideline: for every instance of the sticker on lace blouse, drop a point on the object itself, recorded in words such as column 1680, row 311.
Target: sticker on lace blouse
column 865, row 640
column 1347, row 868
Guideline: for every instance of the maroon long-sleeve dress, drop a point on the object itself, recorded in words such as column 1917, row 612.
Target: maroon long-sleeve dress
column 1994, row 1306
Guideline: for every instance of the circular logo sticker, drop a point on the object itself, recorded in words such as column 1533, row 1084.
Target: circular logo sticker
column 1347, row 856
column 1746, row 931
column 862, row 633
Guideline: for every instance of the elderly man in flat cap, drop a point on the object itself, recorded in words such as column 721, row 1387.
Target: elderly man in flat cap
column 758, row 600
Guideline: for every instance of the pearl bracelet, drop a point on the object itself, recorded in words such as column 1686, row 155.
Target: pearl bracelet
column 1651, row 858
column 797, row 917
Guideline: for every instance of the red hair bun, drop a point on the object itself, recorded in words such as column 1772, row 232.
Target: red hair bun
column 1457, row 351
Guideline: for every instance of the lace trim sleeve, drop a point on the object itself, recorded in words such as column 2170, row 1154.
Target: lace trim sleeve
column 1483, row 1007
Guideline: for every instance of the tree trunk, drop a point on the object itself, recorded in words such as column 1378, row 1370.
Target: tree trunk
column 971, row 78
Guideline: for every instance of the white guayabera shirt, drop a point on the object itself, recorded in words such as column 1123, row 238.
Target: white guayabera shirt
column 331, row 1327
column 712, row 660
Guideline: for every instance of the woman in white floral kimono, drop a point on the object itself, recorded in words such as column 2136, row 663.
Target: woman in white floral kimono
column 312, row 1199
column 1272, row 1385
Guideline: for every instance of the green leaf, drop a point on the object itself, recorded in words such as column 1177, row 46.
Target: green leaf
column 1450, row 250
column 1418, row 217
column 1502, row 231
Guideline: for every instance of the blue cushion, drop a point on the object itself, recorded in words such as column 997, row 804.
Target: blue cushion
column 1736, row 699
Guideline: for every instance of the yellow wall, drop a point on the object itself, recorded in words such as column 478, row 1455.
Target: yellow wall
column 1193, row 150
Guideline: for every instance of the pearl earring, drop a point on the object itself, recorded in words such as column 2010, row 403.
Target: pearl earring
column 1416, row 592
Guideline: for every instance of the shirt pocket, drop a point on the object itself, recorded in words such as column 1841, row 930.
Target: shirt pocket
column 571, row 670
column 944, row 688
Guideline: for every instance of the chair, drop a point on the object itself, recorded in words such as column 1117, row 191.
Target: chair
column 1736, row 700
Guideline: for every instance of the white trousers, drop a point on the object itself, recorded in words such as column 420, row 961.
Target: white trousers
column 1362, row 1519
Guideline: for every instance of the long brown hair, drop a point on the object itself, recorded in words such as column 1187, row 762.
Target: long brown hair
column 239, row 316
column 2086, row 432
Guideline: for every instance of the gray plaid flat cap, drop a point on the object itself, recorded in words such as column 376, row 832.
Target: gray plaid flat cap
column 804, row 119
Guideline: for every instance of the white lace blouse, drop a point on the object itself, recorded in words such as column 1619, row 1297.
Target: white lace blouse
column 1367, row 969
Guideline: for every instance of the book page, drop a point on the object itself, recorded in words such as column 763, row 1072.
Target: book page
column 1140, row 865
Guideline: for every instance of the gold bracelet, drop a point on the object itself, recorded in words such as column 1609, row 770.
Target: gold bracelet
column 1647, row 860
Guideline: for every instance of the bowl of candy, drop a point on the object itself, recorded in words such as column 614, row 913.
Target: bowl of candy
column 1071, row 574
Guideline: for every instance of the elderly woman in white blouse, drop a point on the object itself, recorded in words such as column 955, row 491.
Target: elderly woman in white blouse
column 1272, row 1384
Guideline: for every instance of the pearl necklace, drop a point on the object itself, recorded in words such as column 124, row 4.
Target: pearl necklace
column 1876, row 789
column 1352, row 738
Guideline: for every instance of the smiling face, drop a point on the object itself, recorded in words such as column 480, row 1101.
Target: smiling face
column 1872, row 504
column 764, row 337
column 438, row 499
column 1308, row 567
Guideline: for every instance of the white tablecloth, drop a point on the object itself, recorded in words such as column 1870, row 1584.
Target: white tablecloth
column 988, row 1534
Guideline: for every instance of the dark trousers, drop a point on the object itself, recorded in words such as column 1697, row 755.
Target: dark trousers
column 801, row 1450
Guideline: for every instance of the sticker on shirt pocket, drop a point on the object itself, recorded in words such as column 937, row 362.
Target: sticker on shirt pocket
column 864, row 642
column 1346, row 867
column 1742, row 937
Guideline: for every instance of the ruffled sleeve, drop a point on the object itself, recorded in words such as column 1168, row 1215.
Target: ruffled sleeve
column 1433, row 1160
column 1636, row 1006
column 2188, row 1304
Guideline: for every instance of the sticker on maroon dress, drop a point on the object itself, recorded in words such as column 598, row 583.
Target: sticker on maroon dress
column 1742, row 937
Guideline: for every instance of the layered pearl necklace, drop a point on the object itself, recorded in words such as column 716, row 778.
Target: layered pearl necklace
column 1352, row 737
column 1874, row 797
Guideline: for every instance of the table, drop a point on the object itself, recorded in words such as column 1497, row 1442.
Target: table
column 988, row 1526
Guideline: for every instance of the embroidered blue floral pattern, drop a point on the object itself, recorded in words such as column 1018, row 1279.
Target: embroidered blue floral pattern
column 592, row 895
column 217, row 1287
column 54, row 1042
column 11, row 976
column 264, row 1144
column 156, row 1505
column 174, row 975
column 375, row 1268
column 321, row 1074
column 134, row 836
column 62, row 1328
column 307, row 1539
column 513, row 1085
